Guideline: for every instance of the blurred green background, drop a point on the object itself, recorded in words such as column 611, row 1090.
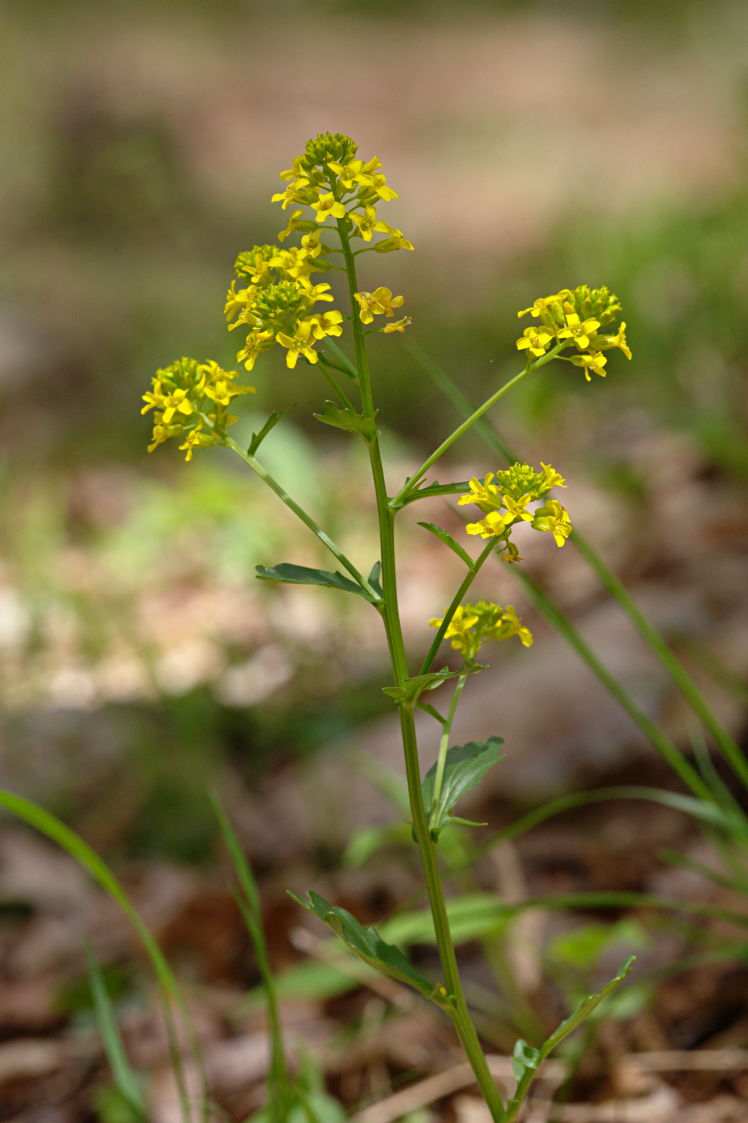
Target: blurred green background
column 533, row 147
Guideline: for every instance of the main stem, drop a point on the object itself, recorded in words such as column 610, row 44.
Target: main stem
column 458, row 1009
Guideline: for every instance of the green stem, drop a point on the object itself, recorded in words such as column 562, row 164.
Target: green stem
column 412, row 481
column 441, row 759
column 455, row 604
column 457, row 1009
column 307, row 519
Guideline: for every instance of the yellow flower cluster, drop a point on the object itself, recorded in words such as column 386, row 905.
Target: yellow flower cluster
column 191, row 400
column 474, row 625
column 575, row 318
column 329, row 179
column 505, row 497
column 273, row 296
column 276, row 305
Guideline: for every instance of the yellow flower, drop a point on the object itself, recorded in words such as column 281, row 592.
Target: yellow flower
column 285, row 198
column 618, row 340
column 459, row 626
column 326, row 323
column 396, row 241
column 368, row 223
column 295, row 222
column 222, row 391
column 379, row 184
column 255, row 343
column 327, row 205
column 517, row 508
column 549, row 309
column 550, row 478
column 196, row 438
column 381, row 302
column 492, row 526
column 238, row 302
column 397, row 325
column 535, row 340
column 591, row 361
column 299, row 344
column 313, row 293
column 355, row 173
column 581, row 331
column 514, row 627
column 555, row 519
column 486, row 495
column 170, row 403
column 162, row 433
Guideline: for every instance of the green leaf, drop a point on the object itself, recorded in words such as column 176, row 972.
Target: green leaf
column 366, row 943
column 472, row 917
column 582, row 947
column 466, row 765
column 126, row 1080
column 524, row 1059
column 348, row 419
column 432, row 712
column 374, row 578
column 431, row 491
column 310, row 979
column 445, row 537
column 412, row 688
column 112, row 1107
column 369, row 840
column 302, row 575
column 259, row 437
column 585, row 1008
column 460, row 487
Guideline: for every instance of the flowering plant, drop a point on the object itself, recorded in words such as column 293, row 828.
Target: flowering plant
column 274, row 302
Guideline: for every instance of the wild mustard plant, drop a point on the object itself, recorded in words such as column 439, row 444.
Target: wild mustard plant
column 275, row 301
